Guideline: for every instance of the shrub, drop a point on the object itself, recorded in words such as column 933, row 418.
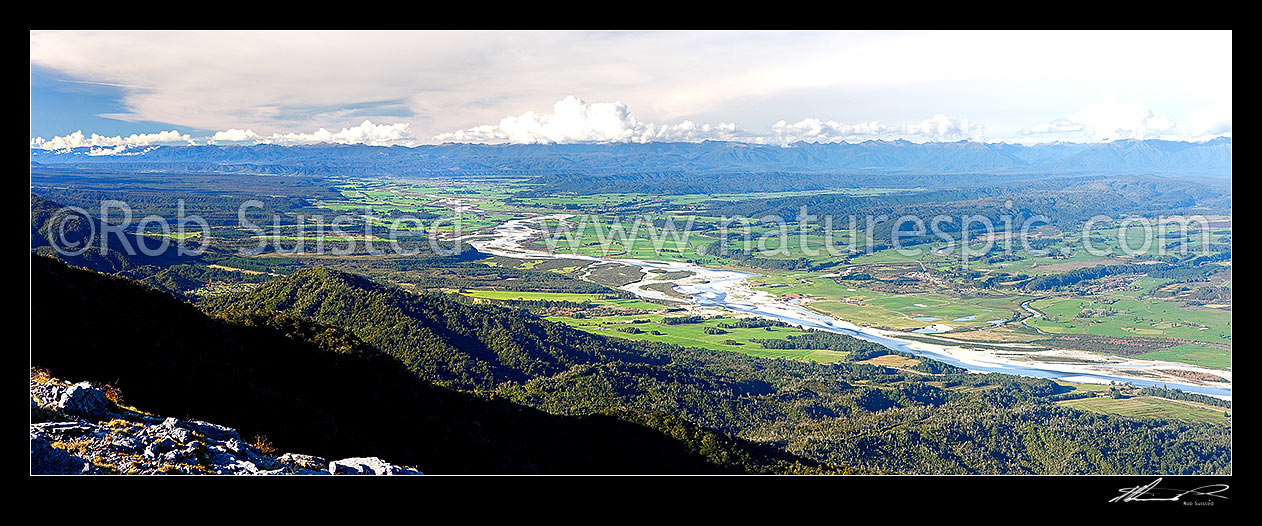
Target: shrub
column 263, row 444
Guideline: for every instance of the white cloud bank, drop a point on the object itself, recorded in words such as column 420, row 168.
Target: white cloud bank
column 1110, row 119
column 234, row 135
column 940, row 127
column 365, row 133
column 119, row 143
column 575, row 120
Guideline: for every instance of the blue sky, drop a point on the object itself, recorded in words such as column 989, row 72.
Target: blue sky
column 779, row 87
column 60, row 105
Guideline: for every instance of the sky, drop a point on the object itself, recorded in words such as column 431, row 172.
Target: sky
column 131, row 89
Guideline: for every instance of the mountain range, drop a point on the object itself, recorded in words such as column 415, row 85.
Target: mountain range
column 1157, row 157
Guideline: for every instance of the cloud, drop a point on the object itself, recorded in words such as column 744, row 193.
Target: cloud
column 79, row 140
column 1212, row 120
column 575, row 120
column 235, row 135
column 280, row 81
column 688, row 131
column 117, row 150
column 1109, row 119
column 940, row 127
column 365, row 133
column 572, row 120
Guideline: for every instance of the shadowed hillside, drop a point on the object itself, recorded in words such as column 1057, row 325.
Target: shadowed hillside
column 317, row 389
column 435, row 335
column 848, row 413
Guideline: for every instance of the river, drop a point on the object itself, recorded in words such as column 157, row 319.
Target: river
column 729, row 290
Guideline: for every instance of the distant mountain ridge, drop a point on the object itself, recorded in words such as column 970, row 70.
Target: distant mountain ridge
column 1211, row 158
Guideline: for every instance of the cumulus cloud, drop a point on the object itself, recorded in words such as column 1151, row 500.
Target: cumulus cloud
column 573, row 120
column 117, row 150
column 365, row 133
column 576, row 120
column 79, row 140
column 1110, row 119
column 940, row 127
column 688, row 131
column 235, row 135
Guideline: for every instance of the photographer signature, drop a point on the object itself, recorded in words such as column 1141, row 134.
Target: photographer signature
column 1151, row 492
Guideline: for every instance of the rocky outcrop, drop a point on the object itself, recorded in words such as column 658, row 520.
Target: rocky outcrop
column 82, row 399
column 367, row 466
column 76, row 429
column 48, row 460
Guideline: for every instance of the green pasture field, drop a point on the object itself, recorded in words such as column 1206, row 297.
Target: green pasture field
column 412, row 197
column 1123, row 238
column 598, row 299
column 315, row 239
column 174, row 234
column 1193, row 353
column 693, row 335
column 1133, row 317
column 559, row 202
column 1152, row 407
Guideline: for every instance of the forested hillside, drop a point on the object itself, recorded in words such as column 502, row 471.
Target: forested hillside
column 437, row 337
column 79, row 238
column 932, row 420
column 322, row 390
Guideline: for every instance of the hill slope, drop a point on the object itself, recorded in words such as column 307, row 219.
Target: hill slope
column 81, row 240
column 321, row 390
column 848, row 413
column 436, row 336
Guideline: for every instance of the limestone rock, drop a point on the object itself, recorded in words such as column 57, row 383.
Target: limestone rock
column 82, row 399
column 89, row 435
column 368, row 466
column 234, row 445
column 213, row 431
column 299, row 462
column 48, row 460
column 181, row 435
